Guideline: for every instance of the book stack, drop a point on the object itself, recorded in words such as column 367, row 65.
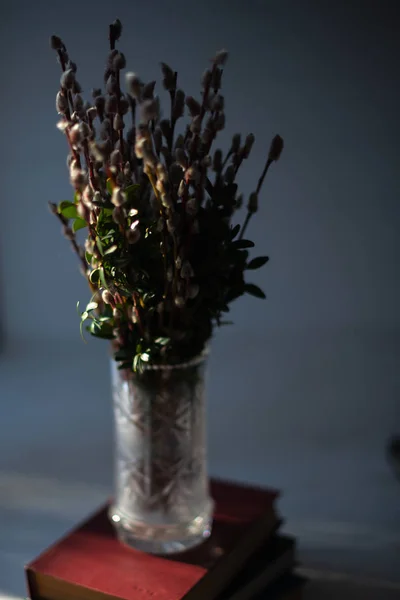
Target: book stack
column 245, row 558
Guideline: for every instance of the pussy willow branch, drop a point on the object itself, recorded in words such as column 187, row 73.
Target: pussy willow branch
column 74, row 244
column 258, row 188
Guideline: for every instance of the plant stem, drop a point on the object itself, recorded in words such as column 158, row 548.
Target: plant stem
column 244, row 226
column 263, row 174
column 259, row 186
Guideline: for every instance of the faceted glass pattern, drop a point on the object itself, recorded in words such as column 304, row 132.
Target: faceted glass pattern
column 162, row 503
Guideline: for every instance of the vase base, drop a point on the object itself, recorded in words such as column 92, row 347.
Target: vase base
column 168, row 539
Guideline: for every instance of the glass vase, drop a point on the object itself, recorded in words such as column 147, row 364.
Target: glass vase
column 161, row 501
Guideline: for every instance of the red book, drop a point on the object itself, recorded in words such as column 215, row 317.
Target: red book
column 91, row 564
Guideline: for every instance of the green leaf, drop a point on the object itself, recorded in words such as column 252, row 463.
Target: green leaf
column 254, row 290
column 100, row 330
column 91, row 306
column 241, row 244
column 163, row 341
column 102, row 278
column 111, row 249
column 94, row 276
column 78, row 224
column 258, row 262
column 67, row 209
column 131, row 191
column 84, row 316
column 99, row 245
column 234, row 231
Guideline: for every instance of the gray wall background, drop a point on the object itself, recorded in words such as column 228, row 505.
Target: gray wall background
column 304, row 388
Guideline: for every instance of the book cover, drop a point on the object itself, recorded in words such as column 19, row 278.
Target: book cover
column 91, row 564
column 265, row 566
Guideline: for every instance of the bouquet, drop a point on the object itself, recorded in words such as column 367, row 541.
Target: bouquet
column 163, row 256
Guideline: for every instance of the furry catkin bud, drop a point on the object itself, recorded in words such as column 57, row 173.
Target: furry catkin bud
column 127, row 170
column 96, row 92
column 67, row 79
column 83, row 211
column 87, row 196
column 195, row 125
column 220, row 58
column 107, row 297
column 78, row 102
column 179, row 301
column 217, row 162
column 248, row 144
column 149, row 110
column 118, row 197
column 84, row 130
column 118, row 122
column 111, row 85
column 123, row 105
column 170, row 225
column 193, row 106
column 53, row 208
column 252, row 205
column 216, row 78
column 167, row 202
column 182, row 188
column 71, row 65
column 133, row 235
column 115, row 30
column 76, row 88
column 230, row 174
column 111, row 105
column 239, row 201
column 191, row 207
column 235, row 146
column 77, row 178
column 115, row 158
column 62, row 125
column 99, row 102
column 276, row 148
column 179, row 104
column 56, row 43
column 91, row 113
column 181, row 158
column 186, row 270
column 207, row 136
column 119, row 61
column 133, row 85
column 118, row 216
column 75, row 134
column 97, row 198
column 148, row 90
column 193, row 290
column 219, row 122
column 180, row 141
column 61, row 103
column 165, row 127
column 206, row 79
column 218, row 102
column 169, row 79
